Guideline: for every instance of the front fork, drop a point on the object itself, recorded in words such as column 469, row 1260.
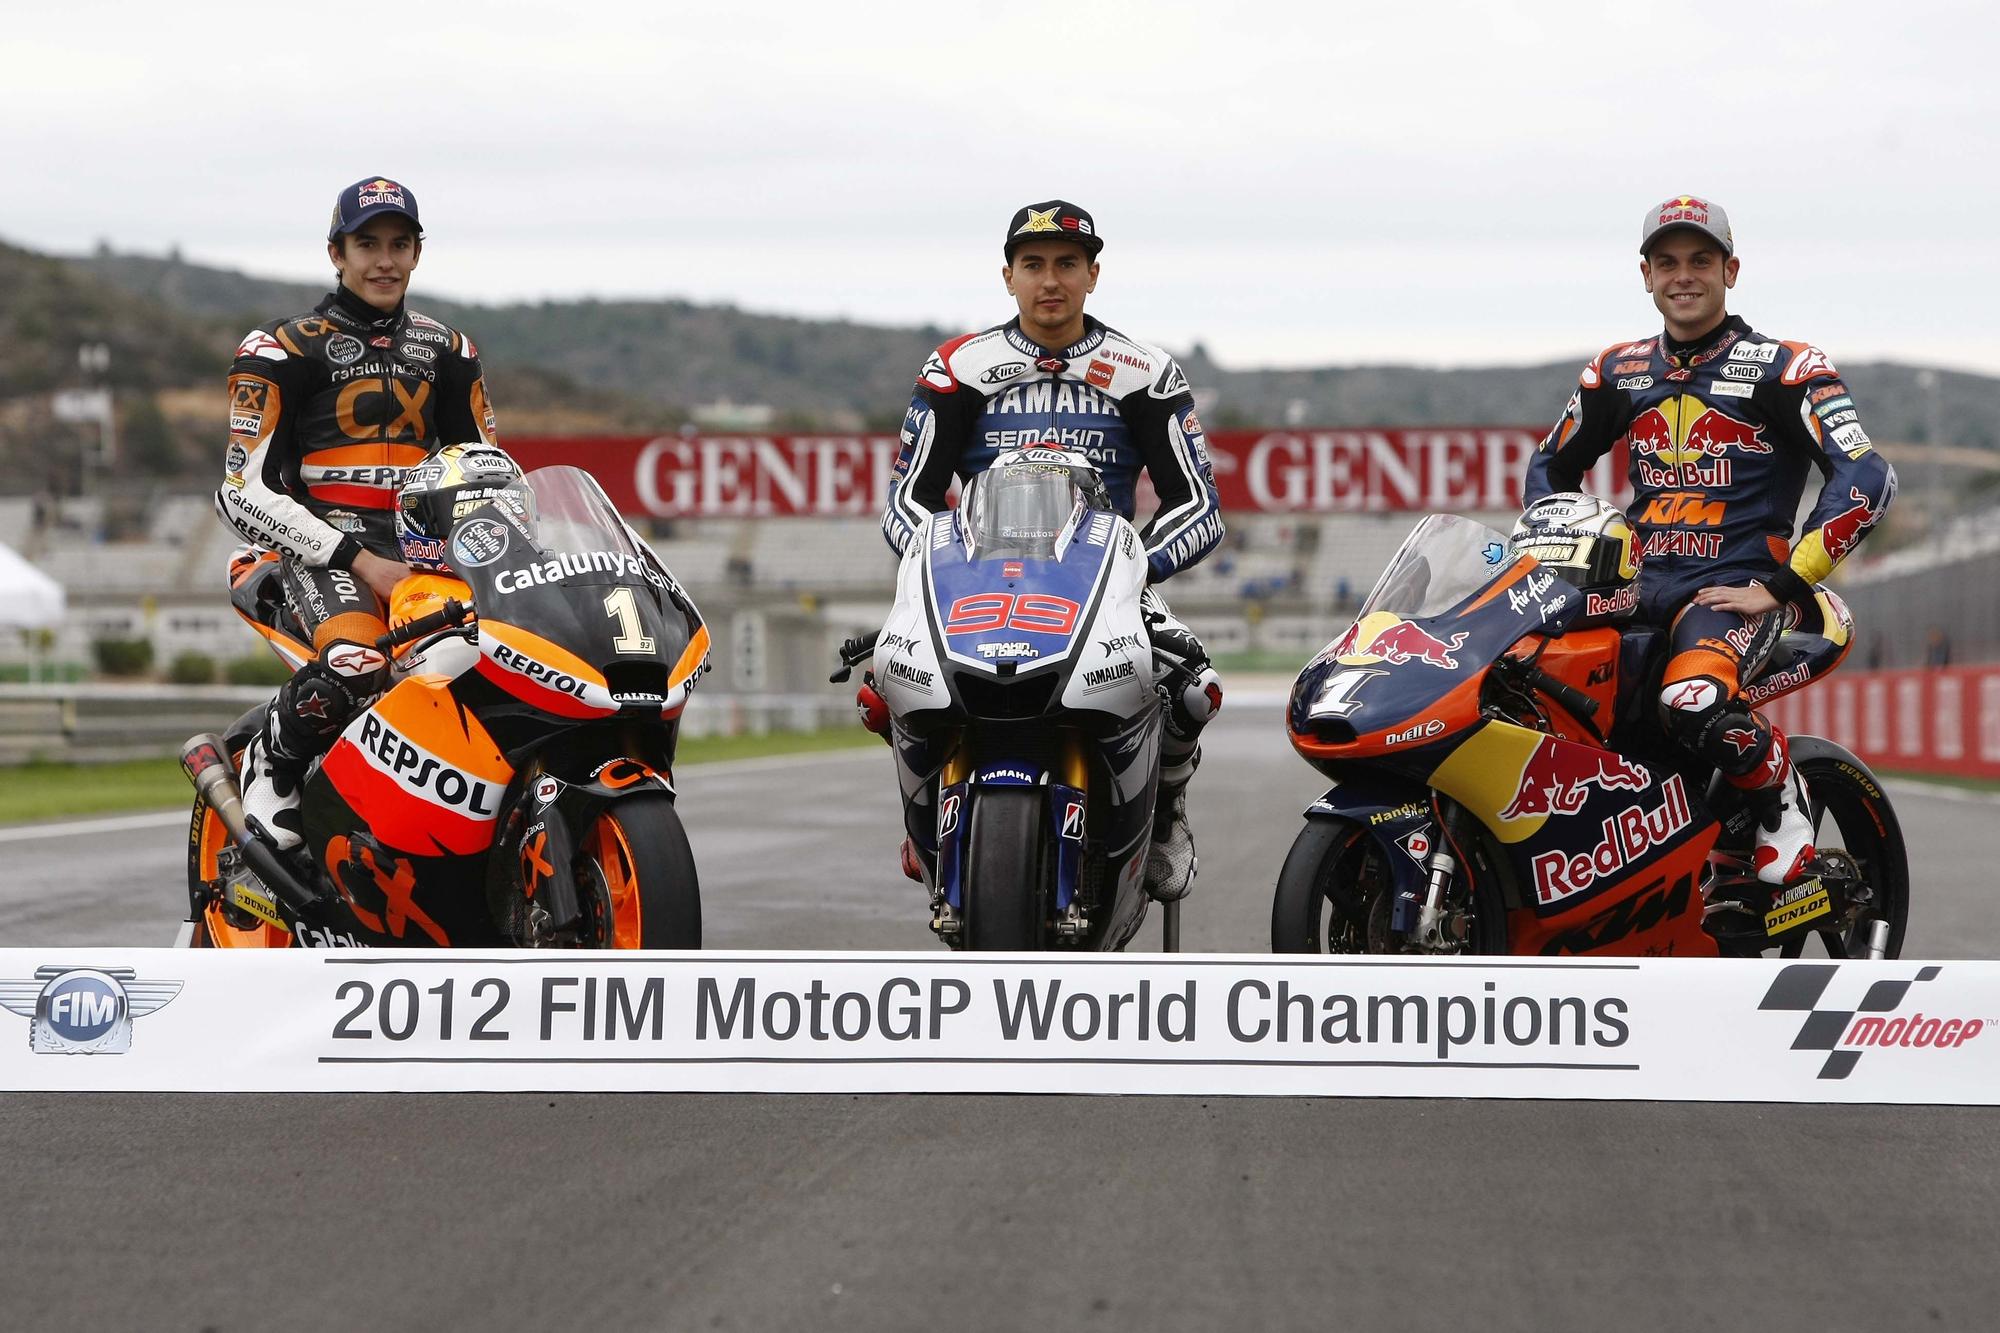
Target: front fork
column 1066, row 784
column 1431, row 934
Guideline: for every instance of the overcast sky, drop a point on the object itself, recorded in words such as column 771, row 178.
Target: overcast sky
column 1443, row 183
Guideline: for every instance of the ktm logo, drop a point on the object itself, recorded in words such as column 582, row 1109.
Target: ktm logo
column 1684, row 509
column 1636, row 914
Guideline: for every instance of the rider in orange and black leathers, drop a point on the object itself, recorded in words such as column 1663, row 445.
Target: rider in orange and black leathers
column 1724, row 424
column 328, row 410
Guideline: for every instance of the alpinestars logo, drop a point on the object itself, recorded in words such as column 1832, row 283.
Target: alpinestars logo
column 1845, row 1034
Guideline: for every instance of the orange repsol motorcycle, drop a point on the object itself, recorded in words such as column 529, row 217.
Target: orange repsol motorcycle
column 513, row 786
column 1501, row 787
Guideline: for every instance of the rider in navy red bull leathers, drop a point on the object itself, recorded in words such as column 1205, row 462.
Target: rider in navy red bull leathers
column 1724, row 424
column 1054, row 374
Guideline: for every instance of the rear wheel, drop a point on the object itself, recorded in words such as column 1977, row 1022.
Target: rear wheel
column 637, row 876
column 1851, row 814
column 212, row 928
column 1007, row 869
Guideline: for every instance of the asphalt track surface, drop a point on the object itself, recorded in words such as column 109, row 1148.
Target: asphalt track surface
column 777, row 1212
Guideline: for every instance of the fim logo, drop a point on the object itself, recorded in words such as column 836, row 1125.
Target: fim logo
column 84, row 1010
column 1845, row 1033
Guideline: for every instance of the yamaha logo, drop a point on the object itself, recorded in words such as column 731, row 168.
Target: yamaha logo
column 84, row 1010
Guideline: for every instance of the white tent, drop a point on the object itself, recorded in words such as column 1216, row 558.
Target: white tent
column 29, row 599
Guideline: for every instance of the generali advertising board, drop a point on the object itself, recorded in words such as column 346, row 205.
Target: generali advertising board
column 1457, row 468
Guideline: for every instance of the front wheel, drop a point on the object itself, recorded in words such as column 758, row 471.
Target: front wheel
column 1337, row 894
column 1006, row 879
column 637, row 877
column 1334, row 882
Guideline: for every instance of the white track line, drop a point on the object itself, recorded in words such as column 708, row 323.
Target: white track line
column 117, row 824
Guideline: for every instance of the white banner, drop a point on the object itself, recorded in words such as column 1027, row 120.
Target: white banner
column 435, row 1021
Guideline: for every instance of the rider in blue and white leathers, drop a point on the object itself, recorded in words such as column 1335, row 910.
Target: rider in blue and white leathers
column 1055, row 375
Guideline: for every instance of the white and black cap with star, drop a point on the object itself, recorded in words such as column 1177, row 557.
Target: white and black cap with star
column 1052, row 219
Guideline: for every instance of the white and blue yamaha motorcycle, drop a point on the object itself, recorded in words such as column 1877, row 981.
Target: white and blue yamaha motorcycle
column 1022, row 710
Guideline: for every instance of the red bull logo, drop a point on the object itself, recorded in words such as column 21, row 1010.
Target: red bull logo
column 1684, row 429
column 1558, row 776
column 1623, row 839
column 1686, row 208
column 379, row 191
column 1844, row 529
column 1400, row 643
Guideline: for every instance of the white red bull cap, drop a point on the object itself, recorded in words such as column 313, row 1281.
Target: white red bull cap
column 1690, row 211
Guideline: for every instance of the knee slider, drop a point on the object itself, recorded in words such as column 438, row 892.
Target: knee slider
column 1191, row 704
column 1703, row 718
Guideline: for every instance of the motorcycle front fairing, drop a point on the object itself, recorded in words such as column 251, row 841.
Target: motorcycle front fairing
column 576, row 625
column 992, row 654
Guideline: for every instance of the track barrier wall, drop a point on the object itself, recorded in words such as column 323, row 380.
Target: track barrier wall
column 164, row 1020
column 1941, row 720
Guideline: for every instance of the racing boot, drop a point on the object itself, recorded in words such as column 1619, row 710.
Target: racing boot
column 1170, row 861
column 272, row 776
column 301, row 724
column 1785, row 849
column 1784, row 852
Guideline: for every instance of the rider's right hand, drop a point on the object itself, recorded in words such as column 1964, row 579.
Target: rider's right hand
column 379, row 574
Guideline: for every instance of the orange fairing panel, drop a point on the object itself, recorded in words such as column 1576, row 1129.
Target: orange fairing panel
column 539, row 672
column 422, row 771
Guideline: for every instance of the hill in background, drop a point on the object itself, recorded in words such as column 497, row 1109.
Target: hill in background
column 637, row 366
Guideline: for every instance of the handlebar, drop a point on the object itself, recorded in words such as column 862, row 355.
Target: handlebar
column 453, row 614
column 853, row 652
column 1570, row 697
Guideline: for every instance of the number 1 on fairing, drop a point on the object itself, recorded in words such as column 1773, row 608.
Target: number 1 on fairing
column 623, row 605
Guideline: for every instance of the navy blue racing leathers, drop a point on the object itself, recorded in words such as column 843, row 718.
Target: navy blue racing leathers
column 1723, row 434
column 1123, row 403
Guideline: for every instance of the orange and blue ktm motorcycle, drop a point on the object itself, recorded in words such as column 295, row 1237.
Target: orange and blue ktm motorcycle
column 513, row 786
column 1501, row 785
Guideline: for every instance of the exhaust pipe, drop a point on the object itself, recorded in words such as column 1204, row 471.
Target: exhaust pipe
column 204, row 759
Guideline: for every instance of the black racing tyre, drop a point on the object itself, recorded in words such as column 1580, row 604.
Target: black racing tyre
column 1851, row 813
column 635, row 863
column 1336, row 894
column 1321, row 904
column 1006, row 869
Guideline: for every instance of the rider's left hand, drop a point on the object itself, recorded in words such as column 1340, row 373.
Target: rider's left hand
column 1752, row 599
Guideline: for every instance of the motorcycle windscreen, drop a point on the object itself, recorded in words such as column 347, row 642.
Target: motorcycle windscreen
column 575, row 616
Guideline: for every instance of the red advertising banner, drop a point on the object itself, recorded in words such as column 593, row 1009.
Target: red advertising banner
column 1930, row 720
column 1310, row 471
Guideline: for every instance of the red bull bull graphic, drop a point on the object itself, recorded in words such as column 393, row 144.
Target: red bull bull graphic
column 1557, row 778
column 1624, row 838
column 1843, row 530
column 1402, row 642
column 1685, row 430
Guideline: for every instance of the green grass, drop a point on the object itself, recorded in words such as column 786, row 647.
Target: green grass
column 32, row 792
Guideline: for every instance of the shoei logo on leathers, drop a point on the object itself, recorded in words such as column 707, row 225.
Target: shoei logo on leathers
column 570, row 565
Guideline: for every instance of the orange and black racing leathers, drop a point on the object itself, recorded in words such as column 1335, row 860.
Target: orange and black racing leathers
column 327, row 410
column 1722, row 433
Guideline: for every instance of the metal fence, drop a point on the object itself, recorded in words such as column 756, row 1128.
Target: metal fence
column 103, row 723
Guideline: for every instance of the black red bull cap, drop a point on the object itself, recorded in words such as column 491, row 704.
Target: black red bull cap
column 1052, row 220
column 1689, row 211
column 371, row 198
